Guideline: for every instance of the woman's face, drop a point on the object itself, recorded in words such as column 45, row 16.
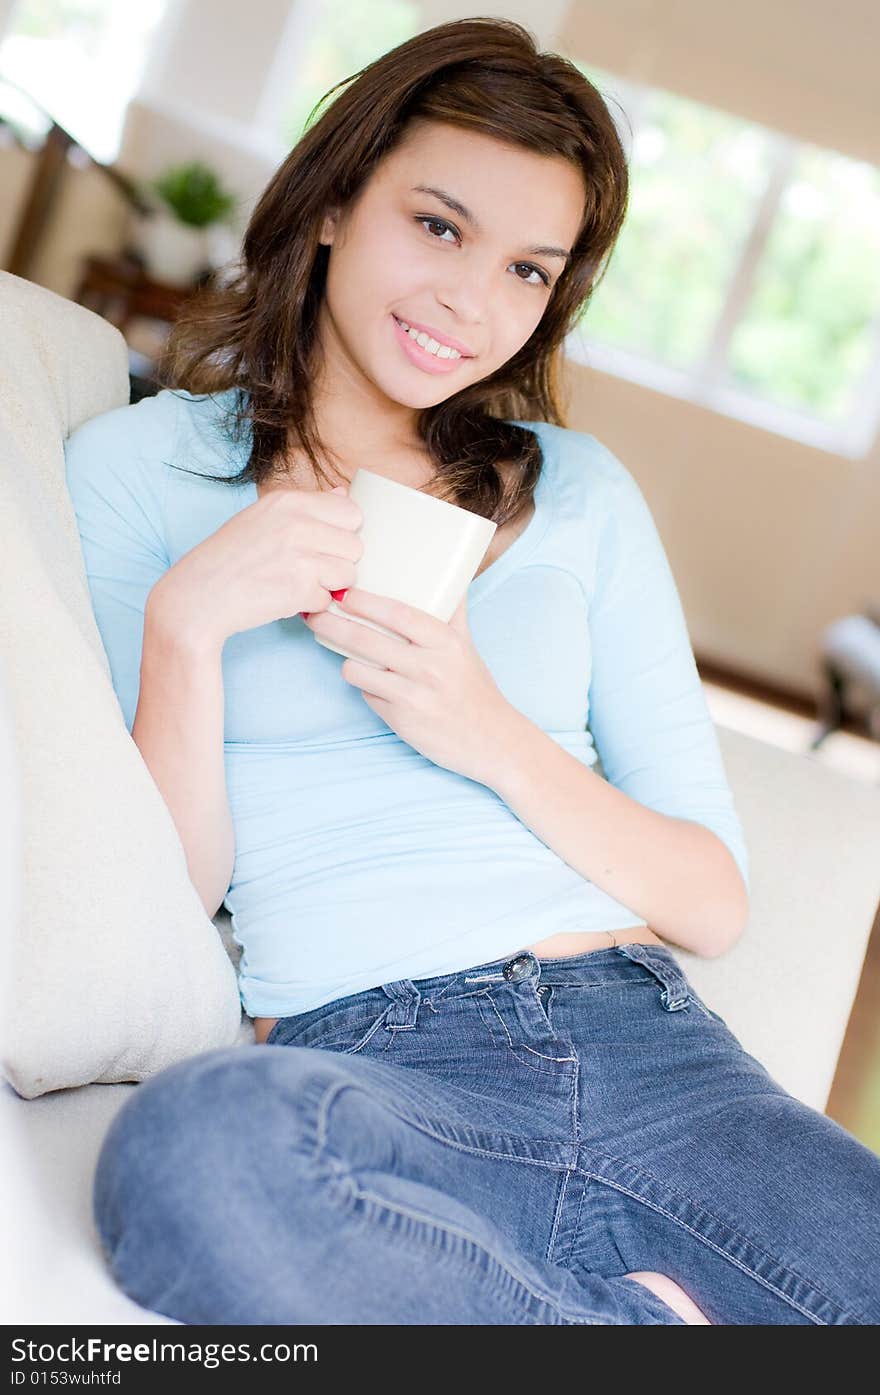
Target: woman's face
column 470, row 274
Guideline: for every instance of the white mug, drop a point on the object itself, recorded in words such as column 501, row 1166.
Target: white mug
column 417, row 549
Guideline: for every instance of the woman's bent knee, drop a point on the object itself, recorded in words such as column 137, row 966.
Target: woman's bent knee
column 200, row 1173
column 189, row 1137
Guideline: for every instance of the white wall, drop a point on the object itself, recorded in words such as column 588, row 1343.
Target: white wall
column 802, row 66
column 213, row 55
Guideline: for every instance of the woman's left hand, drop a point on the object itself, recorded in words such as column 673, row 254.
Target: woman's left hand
column 433, row 688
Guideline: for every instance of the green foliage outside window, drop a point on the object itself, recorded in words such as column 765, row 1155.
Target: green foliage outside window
column 806, row 337
column 695, row 177
column 349, row 36
column 84, row 20
column 808, row 331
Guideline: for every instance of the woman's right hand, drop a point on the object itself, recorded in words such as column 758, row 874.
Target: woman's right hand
column 281, row 555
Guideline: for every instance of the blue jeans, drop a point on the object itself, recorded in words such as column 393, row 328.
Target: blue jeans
column 498, row 1145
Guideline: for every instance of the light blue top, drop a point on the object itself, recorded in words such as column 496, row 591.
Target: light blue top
column 358, row 860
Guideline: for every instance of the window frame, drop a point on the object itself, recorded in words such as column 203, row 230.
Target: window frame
column 707, row 384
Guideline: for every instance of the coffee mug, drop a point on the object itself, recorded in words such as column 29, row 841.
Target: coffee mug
column 417, row 549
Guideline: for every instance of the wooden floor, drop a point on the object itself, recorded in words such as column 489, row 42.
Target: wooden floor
column 854, row 1101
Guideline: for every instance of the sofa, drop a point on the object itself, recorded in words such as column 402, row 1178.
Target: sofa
column 106, row 937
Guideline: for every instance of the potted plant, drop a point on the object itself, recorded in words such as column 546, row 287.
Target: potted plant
column 188, row 203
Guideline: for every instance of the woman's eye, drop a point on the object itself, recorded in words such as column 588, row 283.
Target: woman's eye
column 440, row 223
column 543, row 278
column 426, row 220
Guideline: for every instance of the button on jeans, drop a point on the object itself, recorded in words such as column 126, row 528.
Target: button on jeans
column 500, row 1145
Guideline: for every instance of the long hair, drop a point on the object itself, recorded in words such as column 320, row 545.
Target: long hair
column 257, row 333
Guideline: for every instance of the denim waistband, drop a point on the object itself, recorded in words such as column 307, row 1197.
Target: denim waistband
column 591, row 967
column 623, row 961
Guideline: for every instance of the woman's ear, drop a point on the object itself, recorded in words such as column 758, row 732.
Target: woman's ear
column 328, row 227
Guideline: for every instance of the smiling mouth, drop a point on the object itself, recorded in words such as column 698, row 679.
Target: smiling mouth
column 434, row 347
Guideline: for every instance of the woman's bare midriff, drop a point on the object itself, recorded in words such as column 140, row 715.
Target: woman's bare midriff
column 554, row 947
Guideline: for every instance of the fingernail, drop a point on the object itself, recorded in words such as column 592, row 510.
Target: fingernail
column 338, row 595
column 305, row 614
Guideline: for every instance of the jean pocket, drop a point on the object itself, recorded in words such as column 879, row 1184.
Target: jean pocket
column 333, row 1027
column 678, row 991
column 703, row 1007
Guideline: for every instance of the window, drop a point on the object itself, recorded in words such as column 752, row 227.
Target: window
column 326, row 41
column 81, row 60
column 808, row 334
column 747, row 274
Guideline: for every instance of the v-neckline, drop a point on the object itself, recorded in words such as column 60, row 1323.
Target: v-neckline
column 526, row 542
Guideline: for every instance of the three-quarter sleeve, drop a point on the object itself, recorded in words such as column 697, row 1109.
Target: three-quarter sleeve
column 117, row 499
column 647, row 710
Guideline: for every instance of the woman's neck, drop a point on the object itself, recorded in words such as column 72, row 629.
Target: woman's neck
column 407, row 463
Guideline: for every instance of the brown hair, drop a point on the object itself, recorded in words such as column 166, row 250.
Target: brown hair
column 484, row 74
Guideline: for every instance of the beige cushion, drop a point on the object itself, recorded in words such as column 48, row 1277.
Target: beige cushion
column 116, row 971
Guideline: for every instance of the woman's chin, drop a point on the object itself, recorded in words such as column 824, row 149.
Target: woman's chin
column 417, row 396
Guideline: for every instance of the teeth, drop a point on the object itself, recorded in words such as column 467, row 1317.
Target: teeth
column 429, row 344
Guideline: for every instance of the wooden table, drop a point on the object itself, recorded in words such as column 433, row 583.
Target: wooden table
column 121, row 290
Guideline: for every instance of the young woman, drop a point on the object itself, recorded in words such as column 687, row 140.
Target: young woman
column 482, row 1073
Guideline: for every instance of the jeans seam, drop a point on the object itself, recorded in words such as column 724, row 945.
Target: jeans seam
column 561, row 1194
column 424, row 1127
column 370, row 1033
column 431, row 1223
column 704, row 1009
column 525, row 1046
column 732, row 1259
column 457, row 1235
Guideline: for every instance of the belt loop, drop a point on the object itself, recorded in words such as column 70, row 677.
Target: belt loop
column 659, row 961
column 405, row 999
